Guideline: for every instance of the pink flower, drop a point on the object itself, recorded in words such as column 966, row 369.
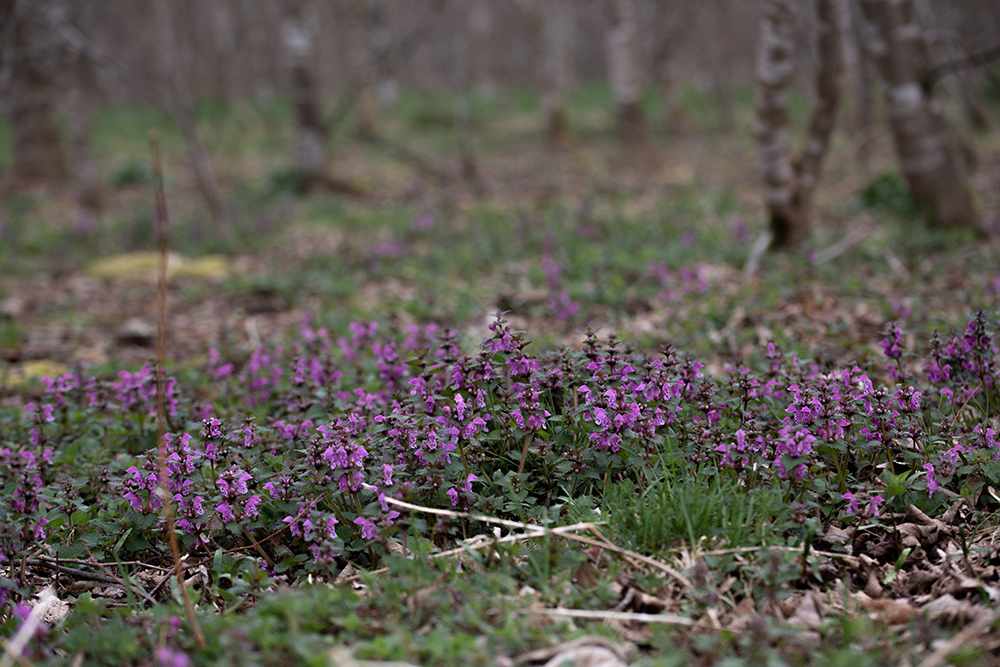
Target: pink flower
column 872, row 509
column 852, row 503
column 368, row 529
column 250, row 508
column 932, row 483
column 226, row 512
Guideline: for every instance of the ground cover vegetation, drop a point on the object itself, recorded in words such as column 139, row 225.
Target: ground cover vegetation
column 444, row 428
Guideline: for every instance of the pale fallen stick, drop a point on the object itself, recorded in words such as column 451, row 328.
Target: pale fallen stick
column 16, row 645
column 853, row 238
column 666, row 619
column 513, row 537
column 663, row 567
column 757, row 251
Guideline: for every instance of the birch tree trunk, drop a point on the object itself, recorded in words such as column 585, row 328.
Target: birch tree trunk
column 380, row 43
column 298, row 43
column 550, row 25
column 481, row 32
column 943, row 49
column 557, row 35
column 177, row 100
column 362, row 66
column 864, row 86
column 80, row 108
column 919, row 132
column 789, row 186
column 625, row 72
column 35, row 56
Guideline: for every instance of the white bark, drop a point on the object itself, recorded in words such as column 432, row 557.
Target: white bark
column 625, row 72
column 789, row 186
column 298, row 41
column 920, row 134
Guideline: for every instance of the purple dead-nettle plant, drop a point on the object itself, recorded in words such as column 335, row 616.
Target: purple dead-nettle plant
column 260, row 376
column 420, row 338
column 795, row 443
column 26, row 502
column 140, row 489
column 136, row 392
column 530, row 414
column 317, row 530
column 237, row 500
column 215, row 441
column 293, row 433
column 344, row 453
column 282, row 487
column 217, row 367
column 40, row 416
column 862, row 505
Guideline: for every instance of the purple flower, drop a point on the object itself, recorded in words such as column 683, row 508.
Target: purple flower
column 795, row 444
column 932, row 483
column 134, row 501
column 168, row 657
column 453, row 494
column 852, row 503
column 368, row 530
column 892, row 344
column 872, row 509
column 226, row 512
column 468, row 483
column 250, row 508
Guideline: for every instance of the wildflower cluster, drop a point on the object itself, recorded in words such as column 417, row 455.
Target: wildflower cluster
column 299, row 450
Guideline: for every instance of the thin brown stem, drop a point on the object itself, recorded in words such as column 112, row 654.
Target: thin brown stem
column 162, row 228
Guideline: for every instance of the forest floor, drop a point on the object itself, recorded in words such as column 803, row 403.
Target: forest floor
column 653, row 248
column 690, row 204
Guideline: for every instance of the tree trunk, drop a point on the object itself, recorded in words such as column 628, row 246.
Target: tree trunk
column 80, row 108
column 923, row 147
column 789, row 186
column 722, row 79
column 943, row 49
column 625, row 72
column 671, row 22
column 481, row 32
column 299, row 46
column 178, row 102
column 362, row 66
column 864, row 86
column 38, row 151
column 550, row 25
column 380, row 43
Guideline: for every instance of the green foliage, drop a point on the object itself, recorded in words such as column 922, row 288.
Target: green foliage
column 888, row 193
column 680, row 509
column 132, row 173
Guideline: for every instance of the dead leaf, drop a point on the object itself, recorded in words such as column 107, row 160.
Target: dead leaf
column 887, row 610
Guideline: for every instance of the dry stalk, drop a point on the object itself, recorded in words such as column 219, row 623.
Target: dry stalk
column 162, row 232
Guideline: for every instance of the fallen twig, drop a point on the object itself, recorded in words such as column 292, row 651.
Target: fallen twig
column 542, row 530
column 14, row 648
column 666, row 619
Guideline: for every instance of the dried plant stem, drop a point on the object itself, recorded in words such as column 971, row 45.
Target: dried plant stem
column 524, row 452
column 162, row 230
column 598, row 615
